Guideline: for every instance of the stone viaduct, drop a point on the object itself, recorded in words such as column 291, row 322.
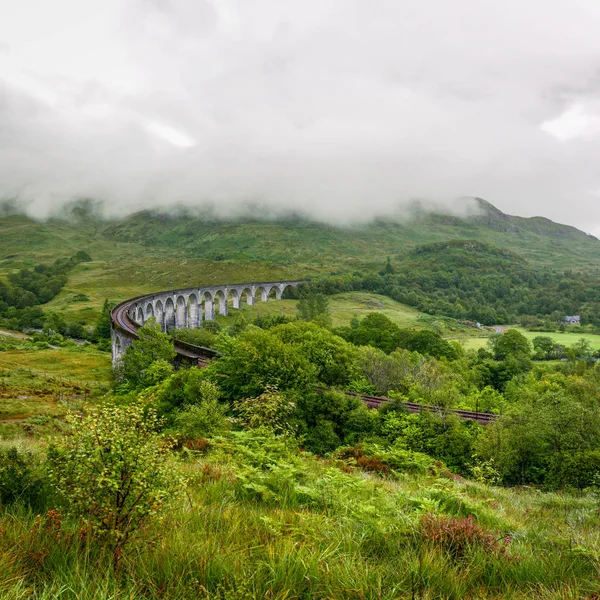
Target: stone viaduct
column 187, row 308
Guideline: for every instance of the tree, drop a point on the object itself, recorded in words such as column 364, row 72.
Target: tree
column 327, row 419
column 427, row 342
column 314, row 307
column 114, row 472
column 185, row 387
column 102, row 330
column 543, row 346
column 258, row 359
column 510, row 343
column 153, row 345
column 374, row 330
column 388, row 269
column 581, row 349
column 201, row 420
column 330, row 354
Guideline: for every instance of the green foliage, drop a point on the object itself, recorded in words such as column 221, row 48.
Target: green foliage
column 333, row 357
column 549, row 433
column 511, row 343
column 375, row 330
column 329, row 419
column 257, row 359
column 184, row 388
column 199, row 337
column 262, row 520
column 484, row 471
column 103, row 325
column 385, row 373
column 386, row 461
column 468, row 279
column 545, row 348
column 138, row 368
column 27, row 288
column 379, row 331
column 270, row 411
column 388, row 269
column 314, row 307
column 442, row 436
column 114, row 472
column 20, row 480
column 203, row 420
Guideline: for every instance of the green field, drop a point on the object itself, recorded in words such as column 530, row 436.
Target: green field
column 566, row 339
column 37, row 385
column 343, row 308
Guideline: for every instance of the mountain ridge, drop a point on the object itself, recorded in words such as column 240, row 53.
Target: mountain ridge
column 293, row 240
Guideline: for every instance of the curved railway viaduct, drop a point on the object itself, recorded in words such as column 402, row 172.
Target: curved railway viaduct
column 176, row 309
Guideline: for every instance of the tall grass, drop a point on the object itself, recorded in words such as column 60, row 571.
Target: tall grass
column 321, row 532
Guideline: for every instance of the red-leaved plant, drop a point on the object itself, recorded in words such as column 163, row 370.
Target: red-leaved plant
column 458, row 536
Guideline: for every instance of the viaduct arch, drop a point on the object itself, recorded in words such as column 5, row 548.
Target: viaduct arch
column 189, row 308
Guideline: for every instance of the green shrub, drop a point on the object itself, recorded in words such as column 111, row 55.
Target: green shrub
column 328, row 419
column 371, row 457
column 183, row 388
column 114, row 472
column 203, row 420
column 270, row 411
column 574, row 469
column 19, row 479
column 153, row 345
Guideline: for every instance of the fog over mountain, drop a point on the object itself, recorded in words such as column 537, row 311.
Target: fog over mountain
column 339, row 108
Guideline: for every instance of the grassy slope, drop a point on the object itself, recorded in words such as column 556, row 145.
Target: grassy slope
column 299, row 242
column 38, row 384
column 292, row 527
column 343, row 308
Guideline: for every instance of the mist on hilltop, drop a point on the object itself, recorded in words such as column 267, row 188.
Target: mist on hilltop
column 328, row 109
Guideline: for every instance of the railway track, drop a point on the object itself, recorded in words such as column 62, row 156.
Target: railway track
column 121, row 321
column 203, row 356
column 413, row 407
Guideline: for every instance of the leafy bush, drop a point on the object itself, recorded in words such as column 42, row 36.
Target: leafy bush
column 371, row 457
column 257, row 359
column 153, row 345
column 195, row 421
column 271, row 411
column 328, row 419
column 19, row 479
column 333, row 357
column 114, row 472
column 186, row 387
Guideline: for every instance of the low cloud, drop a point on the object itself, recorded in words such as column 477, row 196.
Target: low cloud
column 342, row 109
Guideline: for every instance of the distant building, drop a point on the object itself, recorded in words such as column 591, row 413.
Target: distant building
column 574, row 320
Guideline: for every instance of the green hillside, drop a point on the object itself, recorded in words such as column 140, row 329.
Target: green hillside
column 294, row 242
column 298, row 241
column 150, row 251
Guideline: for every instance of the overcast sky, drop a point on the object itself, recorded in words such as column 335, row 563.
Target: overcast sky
column 342, row 108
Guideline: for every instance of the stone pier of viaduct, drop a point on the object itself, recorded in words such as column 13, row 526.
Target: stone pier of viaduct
column 186, row 308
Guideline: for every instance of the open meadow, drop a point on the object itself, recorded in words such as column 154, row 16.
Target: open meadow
column 343, row 307
column 40, row 384
column 563, row 338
